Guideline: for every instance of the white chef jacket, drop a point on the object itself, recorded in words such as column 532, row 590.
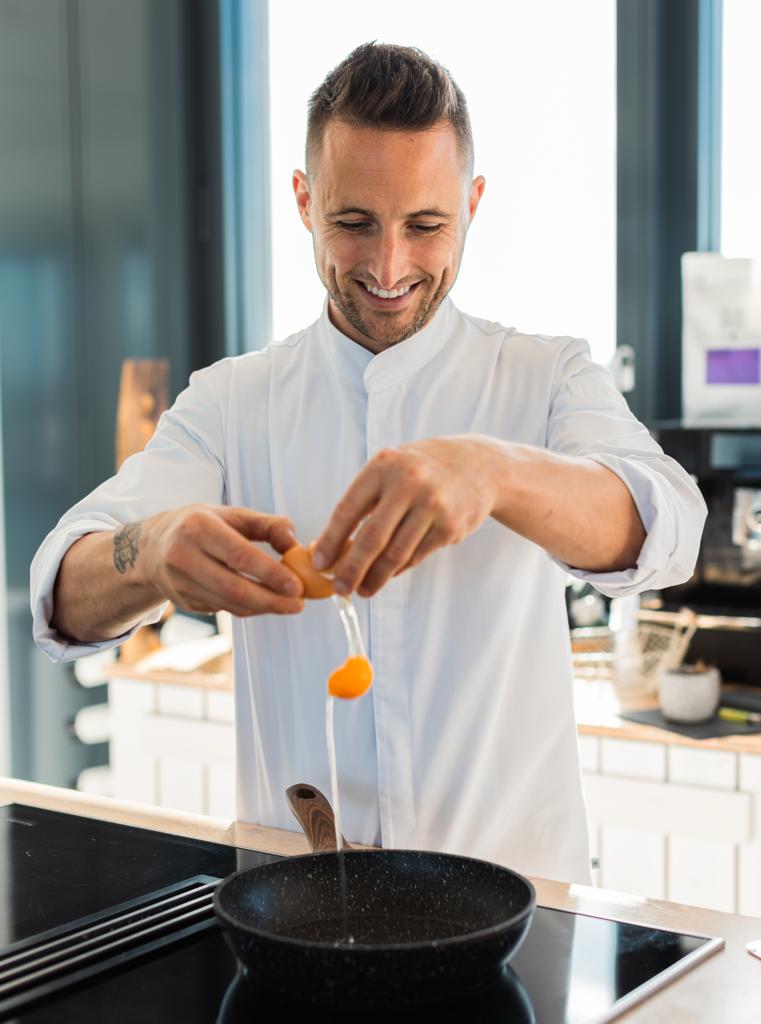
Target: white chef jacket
column 466, row 742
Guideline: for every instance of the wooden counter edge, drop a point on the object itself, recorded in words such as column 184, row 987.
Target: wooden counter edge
column 725, row 987
column 560, row 895
column 217, row 675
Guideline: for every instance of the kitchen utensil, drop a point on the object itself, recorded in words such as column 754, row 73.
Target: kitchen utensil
column 739, row 715
column 661, row 640
column 422, row 923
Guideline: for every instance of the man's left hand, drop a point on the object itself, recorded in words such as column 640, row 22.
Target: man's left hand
column 409, row 501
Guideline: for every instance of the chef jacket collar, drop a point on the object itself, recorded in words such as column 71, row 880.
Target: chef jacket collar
column 361, row 369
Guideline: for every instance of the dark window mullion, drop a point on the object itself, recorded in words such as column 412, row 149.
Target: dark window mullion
column 667, row 180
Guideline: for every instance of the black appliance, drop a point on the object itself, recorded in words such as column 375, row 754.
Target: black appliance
column 725, row 589
column 146, row 946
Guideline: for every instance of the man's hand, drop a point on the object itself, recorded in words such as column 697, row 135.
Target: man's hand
column 199, row 557
column 419, row 497
column 202, row 559
column 410, row 501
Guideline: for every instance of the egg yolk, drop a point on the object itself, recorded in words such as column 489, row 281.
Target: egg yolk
column 352, row 679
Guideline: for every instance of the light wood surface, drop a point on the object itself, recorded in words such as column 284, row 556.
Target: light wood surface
column 726, row 989
column 216, row 674
column 598, row 705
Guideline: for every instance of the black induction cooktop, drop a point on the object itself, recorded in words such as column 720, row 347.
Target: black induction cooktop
column 57, row 870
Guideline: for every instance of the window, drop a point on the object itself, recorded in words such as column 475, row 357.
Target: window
column 741, row 144
column 540, row 83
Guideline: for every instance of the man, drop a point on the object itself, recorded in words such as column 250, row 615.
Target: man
column 489, row 462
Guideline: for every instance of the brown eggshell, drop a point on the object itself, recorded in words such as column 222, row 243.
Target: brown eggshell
column 299, row 560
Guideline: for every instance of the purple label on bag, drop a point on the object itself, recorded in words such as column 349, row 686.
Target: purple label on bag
column 733, row 366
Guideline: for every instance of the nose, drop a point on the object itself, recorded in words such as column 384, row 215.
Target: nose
column 390, row 261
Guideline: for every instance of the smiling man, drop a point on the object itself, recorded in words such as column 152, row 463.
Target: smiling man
column 387, row 245
column 493, row 462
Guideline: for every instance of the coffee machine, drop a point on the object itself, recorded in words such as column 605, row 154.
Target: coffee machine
column 725, row 589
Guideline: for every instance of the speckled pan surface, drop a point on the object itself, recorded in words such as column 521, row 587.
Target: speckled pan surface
column 414, row 922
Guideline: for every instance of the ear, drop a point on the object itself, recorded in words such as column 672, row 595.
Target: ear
column 476, row 191
column 303, row 198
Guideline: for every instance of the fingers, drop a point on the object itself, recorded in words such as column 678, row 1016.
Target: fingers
column 356, row 503
column 369, row 542
column 204, row 540
column 241, row 556
column 215, row 533
column 206, row 585
column 277, row 531
column 398, row 553
column 434, row 539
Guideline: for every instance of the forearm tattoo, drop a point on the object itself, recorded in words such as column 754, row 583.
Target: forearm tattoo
column 125, row 546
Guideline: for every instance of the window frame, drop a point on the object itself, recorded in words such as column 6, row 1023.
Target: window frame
column 669, row 153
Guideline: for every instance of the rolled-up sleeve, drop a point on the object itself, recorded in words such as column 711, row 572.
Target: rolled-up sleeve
column 182, row 464
column 590, row 419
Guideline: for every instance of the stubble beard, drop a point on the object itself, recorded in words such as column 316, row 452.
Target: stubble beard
column 385, row 333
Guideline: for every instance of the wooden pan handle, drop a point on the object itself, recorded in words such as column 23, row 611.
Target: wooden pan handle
column 315, row 815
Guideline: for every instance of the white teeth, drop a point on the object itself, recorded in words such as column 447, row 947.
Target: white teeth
column 384, row 293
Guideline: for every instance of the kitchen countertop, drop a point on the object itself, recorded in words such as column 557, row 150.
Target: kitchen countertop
column 597, row 705
column 215, row 674
column 727, row 987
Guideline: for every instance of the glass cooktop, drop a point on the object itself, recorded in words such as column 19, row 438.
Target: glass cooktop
column 56, row 868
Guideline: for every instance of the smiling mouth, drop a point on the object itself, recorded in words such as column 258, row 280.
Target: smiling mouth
column 383, row 298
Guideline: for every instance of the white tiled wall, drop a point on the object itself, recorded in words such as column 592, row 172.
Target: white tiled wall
column 173, row 746
column 666, row 821
column 675, row 822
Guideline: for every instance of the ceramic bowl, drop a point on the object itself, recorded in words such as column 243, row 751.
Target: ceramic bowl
column 689, row 693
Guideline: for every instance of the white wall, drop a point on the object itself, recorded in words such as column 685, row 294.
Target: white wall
column 540, row 82
column 741, row 142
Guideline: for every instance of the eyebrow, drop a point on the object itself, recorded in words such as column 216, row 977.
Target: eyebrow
column 369, row 213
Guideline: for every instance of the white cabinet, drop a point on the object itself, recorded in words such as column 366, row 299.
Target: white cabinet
column 675, row 822
column 173, row 746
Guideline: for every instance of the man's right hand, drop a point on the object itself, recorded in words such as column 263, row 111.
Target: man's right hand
column 201, row 558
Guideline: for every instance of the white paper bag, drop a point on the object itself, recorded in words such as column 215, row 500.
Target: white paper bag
column 721, row 340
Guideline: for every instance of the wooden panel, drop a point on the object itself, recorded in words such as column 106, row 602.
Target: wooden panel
column 143, row 397
column 688, row 811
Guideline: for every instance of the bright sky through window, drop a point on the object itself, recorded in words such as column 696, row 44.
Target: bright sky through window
column 741, row 141
column 540, row 83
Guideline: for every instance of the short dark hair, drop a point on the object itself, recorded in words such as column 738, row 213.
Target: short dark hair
column 380, row 85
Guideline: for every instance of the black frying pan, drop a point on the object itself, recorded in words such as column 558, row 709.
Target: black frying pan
column 422, row 924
